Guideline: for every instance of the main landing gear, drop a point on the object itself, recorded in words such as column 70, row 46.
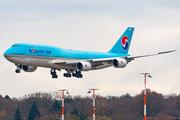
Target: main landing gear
column 18, row 70
column 77, row 74
column 71, row 73
column 53, row 73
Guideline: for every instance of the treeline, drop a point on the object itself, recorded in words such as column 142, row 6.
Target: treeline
column 47, row 106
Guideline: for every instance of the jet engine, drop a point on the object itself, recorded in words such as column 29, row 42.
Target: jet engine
column 29, row 68
column 83, row 66
column 119, row 63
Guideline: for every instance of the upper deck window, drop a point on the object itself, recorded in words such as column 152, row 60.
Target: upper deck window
column 15, row 45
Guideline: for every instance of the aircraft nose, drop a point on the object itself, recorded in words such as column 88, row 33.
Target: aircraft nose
column 6, row 53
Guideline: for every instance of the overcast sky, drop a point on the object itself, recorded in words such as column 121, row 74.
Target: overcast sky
column 93, row 25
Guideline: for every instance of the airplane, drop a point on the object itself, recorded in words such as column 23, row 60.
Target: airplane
column 28, row 57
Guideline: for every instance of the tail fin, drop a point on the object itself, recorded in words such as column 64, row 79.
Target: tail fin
column 123, row 44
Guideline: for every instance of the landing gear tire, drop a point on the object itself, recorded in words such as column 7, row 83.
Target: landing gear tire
column 77, row 74
column 81, row 76
column 53, row 73
column 17, row 70
column 19, row 67
column 64, row 74
column 54, row 76
column 67, row 75
column 72, row 73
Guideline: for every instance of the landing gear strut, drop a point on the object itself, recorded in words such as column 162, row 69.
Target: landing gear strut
column 53, row 73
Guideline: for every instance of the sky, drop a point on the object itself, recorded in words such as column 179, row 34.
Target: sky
column 93, row 26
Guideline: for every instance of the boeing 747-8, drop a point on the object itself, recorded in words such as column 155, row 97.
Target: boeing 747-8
column 28, row 57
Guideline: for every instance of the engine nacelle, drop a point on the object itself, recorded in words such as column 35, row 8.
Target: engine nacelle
column 29, row 68
column 119, row 63
column 83, row 66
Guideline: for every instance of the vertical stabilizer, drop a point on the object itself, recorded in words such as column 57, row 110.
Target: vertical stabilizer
column 123, row 44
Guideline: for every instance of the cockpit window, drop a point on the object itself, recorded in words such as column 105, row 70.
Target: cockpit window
column 15, row 45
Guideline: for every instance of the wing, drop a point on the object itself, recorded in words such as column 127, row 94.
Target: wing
column 130, row 58
column 95, row 63
column 100, row 63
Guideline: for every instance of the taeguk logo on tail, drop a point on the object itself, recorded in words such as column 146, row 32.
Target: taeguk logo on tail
column 125, row 42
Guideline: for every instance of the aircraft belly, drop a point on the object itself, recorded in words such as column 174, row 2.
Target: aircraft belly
column 36, row 62
column 13, row 59
column 44, row 62
column 33, row 61
column 62, row 67
column 101, row 67
column 22, row 60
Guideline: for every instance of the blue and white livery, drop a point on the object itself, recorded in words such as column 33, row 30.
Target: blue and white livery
column 28, row 57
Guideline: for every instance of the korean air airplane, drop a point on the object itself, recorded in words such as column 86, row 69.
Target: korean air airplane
column 28, row 57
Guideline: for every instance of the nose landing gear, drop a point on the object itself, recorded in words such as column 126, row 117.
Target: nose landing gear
column 18, row 70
